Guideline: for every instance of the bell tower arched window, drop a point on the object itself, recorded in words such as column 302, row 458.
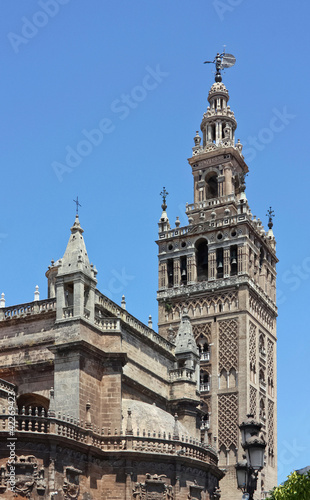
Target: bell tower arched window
column 211, row 187
column 202, row 260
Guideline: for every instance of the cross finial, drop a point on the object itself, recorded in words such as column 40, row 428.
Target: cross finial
column 270, row 214
column 164, row 195
column 77, row 205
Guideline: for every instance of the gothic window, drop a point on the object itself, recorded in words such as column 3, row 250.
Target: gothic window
column 223, row 379
column 222, row 455
column 232, row 455
column 170, row 272
column 232, row 379
column 233, row 260
column 219, row 262
column 202, row 260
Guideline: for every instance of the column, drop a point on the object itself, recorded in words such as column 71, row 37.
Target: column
column 241, row 266
column 176, row 272
column 191, row 269
column 211, row 265
column 78, row 298
column 226, row 263
column 60, row 300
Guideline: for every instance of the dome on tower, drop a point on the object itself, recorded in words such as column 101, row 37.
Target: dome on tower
column 218, row 88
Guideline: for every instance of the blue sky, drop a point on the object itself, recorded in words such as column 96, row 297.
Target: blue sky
column 135, row 70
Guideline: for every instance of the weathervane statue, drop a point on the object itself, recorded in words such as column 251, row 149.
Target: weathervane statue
column 221, row 62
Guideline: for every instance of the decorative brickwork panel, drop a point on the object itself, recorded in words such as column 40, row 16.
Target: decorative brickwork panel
column 203, row 330
column 228, row 420
column 258, row 309
column 253, row 401
column 270, row 424
column 252, row 346
column 221, row 302
column 270, row 359
column 228, row 345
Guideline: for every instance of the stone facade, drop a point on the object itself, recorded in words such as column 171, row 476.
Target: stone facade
column 95, row 404
column 221, row 267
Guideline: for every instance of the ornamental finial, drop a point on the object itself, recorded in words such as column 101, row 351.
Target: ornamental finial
column 270, row 213
column 164, row 195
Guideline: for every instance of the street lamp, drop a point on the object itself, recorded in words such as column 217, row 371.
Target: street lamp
column 253, row 461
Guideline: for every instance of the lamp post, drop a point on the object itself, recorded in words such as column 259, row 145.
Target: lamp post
column 253, row 460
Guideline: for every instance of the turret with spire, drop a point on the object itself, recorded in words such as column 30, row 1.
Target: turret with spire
column 72, row 279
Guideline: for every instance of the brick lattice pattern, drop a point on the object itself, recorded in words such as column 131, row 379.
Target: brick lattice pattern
column 228, row 420
column 228, row 345
column 253, row 400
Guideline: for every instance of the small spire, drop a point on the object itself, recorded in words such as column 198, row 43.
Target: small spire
column 177, row 222
column 164, row 195
column 37, row 293
column 123, row 303
column 150, row 322
column 270, row 213
column 2, row 301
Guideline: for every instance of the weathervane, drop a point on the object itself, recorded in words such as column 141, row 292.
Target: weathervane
column 77, row 205
column 270, row 214
column 221, row 62
column 164, row 195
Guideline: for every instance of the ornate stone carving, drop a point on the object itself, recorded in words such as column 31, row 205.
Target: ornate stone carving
column 228, row 420
column 202, row 330
column 253, row 400
column 253, row 346
column 228, row 345
column 154, row 488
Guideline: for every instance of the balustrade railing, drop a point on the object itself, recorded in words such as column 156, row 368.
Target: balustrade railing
column 29, row 308
column 83, row 432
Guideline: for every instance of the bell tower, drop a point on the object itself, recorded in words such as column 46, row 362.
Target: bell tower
column 221, row 267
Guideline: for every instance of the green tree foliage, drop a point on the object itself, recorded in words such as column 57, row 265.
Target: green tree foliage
column 296, row 487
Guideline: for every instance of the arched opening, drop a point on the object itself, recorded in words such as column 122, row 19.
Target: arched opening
column 212, row 187
column 204, row 349
column 183, row 269
column 222, row 455
column 170, row 272
column 202, row 260
column 232, row 378
column 204, row 381
column 233, row 260
column 33, row 409
column 262, row 412
column 223, row 379
column 219, row 262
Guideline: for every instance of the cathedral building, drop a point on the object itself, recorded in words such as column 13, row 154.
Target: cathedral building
column 97, row 405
